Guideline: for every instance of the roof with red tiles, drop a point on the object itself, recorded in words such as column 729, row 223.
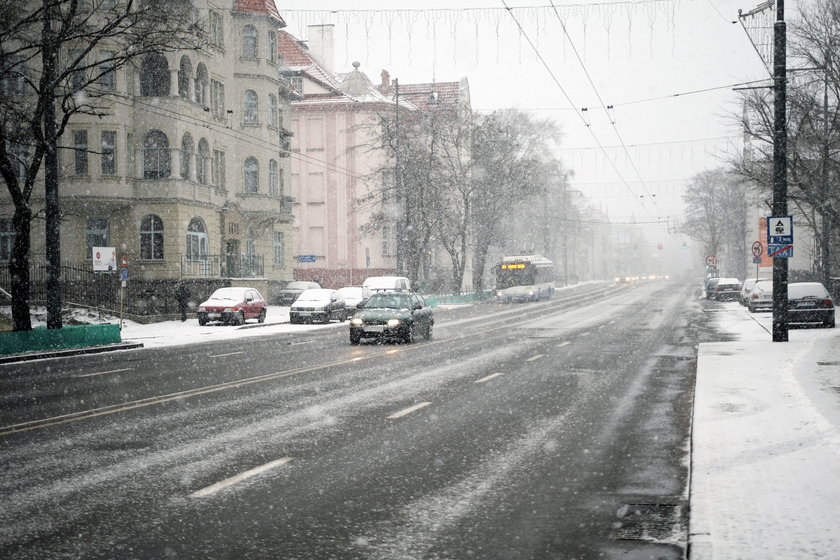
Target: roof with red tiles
column 261, row 7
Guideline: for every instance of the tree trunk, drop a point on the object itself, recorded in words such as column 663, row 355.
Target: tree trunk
column 19, row 270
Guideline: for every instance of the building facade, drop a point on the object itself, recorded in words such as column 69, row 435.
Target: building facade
column 186, row 174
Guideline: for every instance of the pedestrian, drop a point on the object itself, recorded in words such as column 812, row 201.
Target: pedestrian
column 182, row 296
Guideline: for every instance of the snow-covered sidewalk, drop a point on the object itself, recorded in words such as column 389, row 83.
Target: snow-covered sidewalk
column 766, row 443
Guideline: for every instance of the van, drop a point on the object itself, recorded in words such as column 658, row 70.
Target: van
column 387, row 284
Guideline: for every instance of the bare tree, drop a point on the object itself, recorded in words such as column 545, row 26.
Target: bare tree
column 49, row 74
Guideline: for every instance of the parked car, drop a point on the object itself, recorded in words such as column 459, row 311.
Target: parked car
column 746, row 287
column 710, row 286
column 232, row 306
column 319, row 304
column 290, row 293
column 392, row 315
column 387, row 283
column 761, row 296
column 353, row 296
column 727, row 289
column 810, row 302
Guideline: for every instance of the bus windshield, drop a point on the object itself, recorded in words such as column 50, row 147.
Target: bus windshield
column 509, row 275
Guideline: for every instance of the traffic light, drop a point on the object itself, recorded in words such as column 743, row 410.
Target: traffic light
column 685, row 245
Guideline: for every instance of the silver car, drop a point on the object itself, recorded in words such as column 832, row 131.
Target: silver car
column 761, row 296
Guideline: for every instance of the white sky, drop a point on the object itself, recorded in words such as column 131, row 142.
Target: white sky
column 638, row 54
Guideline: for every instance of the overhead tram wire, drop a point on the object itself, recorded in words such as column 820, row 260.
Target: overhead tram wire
column 571, row 103
column 606, row 109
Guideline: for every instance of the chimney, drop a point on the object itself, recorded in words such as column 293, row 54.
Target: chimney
column 322, row 45
column 386, row 82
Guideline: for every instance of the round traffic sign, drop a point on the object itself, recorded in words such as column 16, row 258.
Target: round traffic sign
column 711, row 260
column 757, row 248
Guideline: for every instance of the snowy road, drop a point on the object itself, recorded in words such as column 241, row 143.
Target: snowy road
column 546, row 430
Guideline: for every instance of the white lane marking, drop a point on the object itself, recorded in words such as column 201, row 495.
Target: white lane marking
column 228, row 354
column 585, row 334
column 489, row 377
column 239, row 478
column 103, row 372
column 565, row 343
column 537, row 357
column 408, row 410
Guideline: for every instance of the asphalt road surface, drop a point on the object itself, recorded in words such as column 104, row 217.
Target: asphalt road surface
column 550, row 430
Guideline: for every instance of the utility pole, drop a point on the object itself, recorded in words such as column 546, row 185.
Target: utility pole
column 397, row 187
column 780, row 265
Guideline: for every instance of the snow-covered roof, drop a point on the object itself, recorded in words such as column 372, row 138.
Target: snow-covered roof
column 259, row 7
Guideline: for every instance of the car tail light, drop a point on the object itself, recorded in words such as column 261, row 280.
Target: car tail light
column 827, row 303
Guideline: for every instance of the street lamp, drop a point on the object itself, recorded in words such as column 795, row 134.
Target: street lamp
column 402, row 218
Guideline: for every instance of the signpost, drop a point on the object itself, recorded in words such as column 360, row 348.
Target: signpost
column 757, row 249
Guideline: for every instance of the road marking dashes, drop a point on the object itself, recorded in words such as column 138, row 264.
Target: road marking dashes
column 104, row 372
column 489, row 377
column 239, row 478
column 537, row 357
column 408, row 410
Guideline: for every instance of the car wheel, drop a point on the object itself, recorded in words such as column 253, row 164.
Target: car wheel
column 240, row 318
column 751, row 308
column 355, row 337
column 428, row 334
column 342, row 315
column 261, row 318
column 202, row 321
column 829, row 324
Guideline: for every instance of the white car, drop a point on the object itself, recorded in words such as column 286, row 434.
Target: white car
column 321, row 304
column 746, row 288
column 353, row 296
column 761, row 296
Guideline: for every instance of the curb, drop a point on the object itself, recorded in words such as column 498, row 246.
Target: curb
column 68, row 352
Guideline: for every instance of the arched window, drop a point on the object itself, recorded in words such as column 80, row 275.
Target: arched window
column 252, row 107
column 156, row 161
column 202, row 82
column 272, row 110
column 273, row 185
column 252, row 175
column 187, row 150
column 196, row 240
column 249, row 41
column 184, row 73
column 151, row 238
column 154, row 76
column 202, row 161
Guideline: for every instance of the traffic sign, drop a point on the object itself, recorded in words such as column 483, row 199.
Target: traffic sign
column 780, row 230
column 711, row 260
column 757, row 248
column 123, row 274
column 781, row 251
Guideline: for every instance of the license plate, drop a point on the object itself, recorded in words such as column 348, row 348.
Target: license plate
column 214, row 315
column 304, row 313
column 806, row 304
column 375, row 328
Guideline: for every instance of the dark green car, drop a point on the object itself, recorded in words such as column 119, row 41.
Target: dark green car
column 392, row 315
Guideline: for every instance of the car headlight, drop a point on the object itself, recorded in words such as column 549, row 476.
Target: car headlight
column 356, row 322
column 201, row 310
column 393, row 322
column 231, row 310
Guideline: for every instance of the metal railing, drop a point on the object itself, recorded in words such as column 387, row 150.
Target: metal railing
column 220, row 266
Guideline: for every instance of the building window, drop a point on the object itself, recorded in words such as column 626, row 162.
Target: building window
column 202, row 161
column 156, row 160
column 386, row 233
column 201, row 83
column 273, row 185
column 19, row 156
column 272, row 111
column 78, row 79
column 154, row 76
column 187, row 149
column 217, row 168
column 272, row 46
column 109, row 152
column 217, row 98
column 251, row 107
column 252, row 175
column 217, row 36
column 80, row 152
column 151, row 238
column 279, row 249
column 297, row 83
column 249, row 41
column 96, row 234
column 13, row 74
column 7, row 239
column 184, row 73
column 196, row 240
column 107, row 76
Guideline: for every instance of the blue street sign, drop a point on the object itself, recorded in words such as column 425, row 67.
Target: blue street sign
column 306, row 258
column 780, row 230
column 123, row 274
column 784, row 251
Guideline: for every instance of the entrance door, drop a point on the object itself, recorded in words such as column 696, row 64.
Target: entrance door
column 234, row 263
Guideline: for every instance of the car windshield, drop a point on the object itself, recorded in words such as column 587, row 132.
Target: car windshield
column 233, row 294
column 388, row 301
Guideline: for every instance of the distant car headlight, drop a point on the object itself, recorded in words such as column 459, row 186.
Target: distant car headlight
column 356, row 322
column 393, row 322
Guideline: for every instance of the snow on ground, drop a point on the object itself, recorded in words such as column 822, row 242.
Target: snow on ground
column 766, row 443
